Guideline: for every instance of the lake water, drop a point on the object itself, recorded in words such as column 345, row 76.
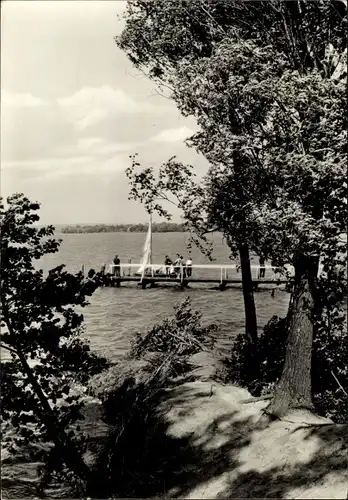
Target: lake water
column 116, row 314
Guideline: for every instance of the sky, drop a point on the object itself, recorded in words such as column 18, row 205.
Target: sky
column 73, row 108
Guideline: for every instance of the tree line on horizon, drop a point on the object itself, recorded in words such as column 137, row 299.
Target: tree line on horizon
column 157, row 227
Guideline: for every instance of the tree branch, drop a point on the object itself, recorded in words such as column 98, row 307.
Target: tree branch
column 8, row 348
column 212, row 230
column 339, row 385
column 211, row 17
column 164, row 197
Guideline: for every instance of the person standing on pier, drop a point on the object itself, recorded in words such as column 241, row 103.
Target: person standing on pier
column 167, row 262
column 177, row 264
column 262, row 267
column 117, row 266
column 182, row 269
column 189, row 267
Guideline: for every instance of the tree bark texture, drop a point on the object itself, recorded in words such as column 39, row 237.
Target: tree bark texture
column 248, row 294
column 294, row 387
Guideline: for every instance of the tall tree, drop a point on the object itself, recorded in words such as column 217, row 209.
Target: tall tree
column 163, row 66
column 267, row 88
column 41, row 332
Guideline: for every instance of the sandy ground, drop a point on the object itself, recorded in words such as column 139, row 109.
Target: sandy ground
column 241, row 454
column 214, row 445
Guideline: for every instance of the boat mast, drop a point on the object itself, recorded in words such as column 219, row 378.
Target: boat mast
column 150, row 229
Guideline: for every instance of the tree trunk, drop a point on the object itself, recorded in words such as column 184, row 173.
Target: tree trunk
column 294, row 387
column 70, row 455
column 248, row 294
column 252, row 368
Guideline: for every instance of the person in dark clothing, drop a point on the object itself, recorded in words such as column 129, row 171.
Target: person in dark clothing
column 117, row 266
column 91, row 274
column 167, row 262
column 275, row 268
column 262, row 267
column 182, row 268
column 103, row 277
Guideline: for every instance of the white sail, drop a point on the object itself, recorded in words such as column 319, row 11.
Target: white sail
column 146, row 258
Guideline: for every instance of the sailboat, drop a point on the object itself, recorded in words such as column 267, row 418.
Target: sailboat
column 146, row 267
column 146, row 259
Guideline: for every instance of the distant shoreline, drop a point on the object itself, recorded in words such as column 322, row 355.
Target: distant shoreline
column 162, row 227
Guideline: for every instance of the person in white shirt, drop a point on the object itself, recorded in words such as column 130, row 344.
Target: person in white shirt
column 189, row 267
column 177, row 264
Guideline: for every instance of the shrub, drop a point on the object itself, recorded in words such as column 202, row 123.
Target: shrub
column 271, row 355
column 330, row 374
column 182, row 335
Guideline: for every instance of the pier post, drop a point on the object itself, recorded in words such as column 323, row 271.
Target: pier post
column 182, row 275
column 184, row 284
column 222, row 286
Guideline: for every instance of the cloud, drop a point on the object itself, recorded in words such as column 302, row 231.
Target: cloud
column 18, row 100
column 90, row 142
column 97, row 147
column 33, row 131
column 90, row 105
column 103, row 96
column 85, row 161
column 173, row 135
column 45, row 164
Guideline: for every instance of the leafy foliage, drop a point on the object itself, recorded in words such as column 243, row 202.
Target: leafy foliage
column 42, row 383
column 269, row 97
column 194, row 28
column 289, row 135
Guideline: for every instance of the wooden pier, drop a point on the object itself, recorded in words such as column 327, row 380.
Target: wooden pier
column 211, row 274
column 149, row 281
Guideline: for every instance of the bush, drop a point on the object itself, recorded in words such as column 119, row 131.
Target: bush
column 182, row 335
column 330, row 374
column 328, row 362
column 271, row 354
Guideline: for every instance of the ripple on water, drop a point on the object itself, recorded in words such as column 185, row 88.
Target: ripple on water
column 116, row 314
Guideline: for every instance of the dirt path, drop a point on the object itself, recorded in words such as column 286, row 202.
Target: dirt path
column 234, row 452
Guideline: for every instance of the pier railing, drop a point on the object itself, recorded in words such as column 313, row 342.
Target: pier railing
column 223, row 272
